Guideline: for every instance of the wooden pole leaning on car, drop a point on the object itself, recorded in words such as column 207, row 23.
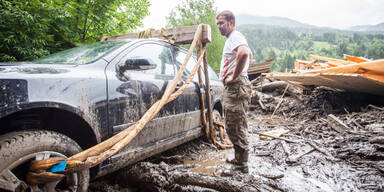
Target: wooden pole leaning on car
column 202, row 100
column 93, row 156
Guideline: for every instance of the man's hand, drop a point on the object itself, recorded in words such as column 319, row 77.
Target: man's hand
column 229, row 78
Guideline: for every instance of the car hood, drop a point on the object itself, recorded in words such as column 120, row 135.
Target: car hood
column 33, row 68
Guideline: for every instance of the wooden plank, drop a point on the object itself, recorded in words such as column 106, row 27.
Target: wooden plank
column 263, row 67
column 338, row 61
column 355, row 59
column 184, row 35
column 332, row 64
column 372, row 69
column 348, row 82
column 259, row 69
column 314, row 64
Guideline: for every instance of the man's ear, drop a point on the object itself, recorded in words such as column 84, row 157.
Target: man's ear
column 232, row 22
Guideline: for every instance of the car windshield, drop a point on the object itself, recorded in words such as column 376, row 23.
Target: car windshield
column 83, row 54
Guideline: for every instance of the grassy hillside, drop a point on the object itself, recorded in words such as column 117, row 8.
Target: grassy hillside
column 286, row 44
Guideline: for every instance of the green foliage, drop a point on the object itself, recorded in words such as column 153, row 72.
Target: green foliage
column 194, row 12
column 285, row 44
column 35, row 28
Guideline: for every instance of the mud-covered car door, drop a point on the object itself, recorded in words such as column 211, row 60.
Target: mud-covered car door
column 216, row 87
column 190, row 101
column 133, row 91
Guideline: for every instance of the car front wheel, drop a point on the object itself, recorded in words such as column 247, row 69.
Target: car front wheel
column 18, row 149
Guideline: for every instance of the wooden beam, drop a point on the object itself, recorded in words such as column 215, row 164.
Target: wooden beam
column 338, row 61
column 184, row 35
column 355, row 59
column 372, row 69
column 343, row 81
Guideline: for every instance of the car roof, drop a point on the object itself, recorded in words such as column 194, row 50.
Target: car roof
column 133, row 41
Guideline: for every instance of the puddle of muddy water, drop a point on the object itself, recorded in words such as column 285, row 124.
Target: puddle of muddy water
column 309, row 174
column 210, row 163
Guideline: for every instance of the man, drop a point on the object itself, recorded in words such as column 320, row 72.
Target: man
column 233, row 73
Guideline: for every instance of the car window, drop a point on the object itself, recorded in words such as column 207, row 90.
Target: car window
column 180, row 56
column 83, row 54
column 159, row 54
column 212, row 74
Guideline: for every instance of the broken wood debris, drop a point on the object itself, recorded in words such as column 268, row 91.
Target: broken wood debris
column 160, row 176
column 375, row 107
column 272, row 136
column 337, row 124
column 296, row 157
column 356, row 74
column 262, row 67
column 276, row 133
column 355, row 59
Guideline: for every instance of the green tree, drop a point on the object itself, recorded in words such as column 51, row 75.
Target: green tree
column 194, row 12
column 95, row 18
column 34, row 28
column 376, row 49
column 342, row 48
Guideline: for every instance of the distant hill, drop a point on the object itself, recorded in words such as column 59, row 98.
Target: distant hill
column 378, row 27
column 272, row 20
column 243, row 20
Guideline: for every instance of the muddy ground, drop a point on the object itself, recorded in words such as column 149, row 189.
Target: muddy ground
column 335, row 142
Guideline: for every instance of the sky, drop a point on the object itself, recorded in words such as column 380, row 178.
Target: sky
column 323, row 13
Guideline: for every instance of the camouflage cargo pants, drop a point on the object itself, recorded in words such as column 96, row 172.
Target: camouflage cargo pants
column 236, row 101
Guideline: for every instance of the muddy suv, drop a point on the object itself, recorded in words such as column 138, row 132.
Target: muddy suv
column 64, row 103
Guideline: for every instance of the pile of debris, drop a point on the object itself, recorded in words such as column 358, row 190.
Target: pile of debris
column 320, row 140
column 355, row 74
column 332, row 139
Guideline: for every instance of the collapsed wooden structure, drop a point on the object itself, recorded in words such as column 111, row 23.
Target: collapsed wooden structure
column 356, row 74
column 256, row 69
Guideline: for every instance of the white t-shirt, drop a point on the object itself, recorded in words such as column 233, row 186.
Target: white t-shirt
column 234, row 40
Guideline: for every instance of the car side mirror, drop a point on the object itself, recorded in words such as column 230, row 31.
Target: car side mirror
column 137, row 63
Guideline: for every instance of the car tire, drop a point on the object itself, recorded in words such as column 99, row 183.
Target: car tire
column 18, row 149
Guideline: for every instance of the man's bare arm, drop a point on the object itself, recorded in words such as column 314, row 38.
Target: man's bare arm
column 241, row 58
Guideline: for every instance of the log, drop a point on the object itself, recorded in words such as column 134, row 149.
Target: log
column 157, row 177
column 183, row 35
column 272, row 86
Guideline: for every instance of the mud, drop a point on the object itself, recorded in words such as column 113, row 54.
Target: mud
column 316, row 155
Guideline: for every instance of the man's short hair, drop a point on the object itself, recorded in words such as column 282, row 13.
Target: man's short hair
column 228, row 15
